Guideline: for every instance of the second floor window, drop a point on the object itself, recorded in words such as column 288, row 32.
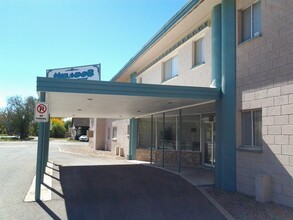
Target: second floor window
column 170, row 68
column 251, row 22
column 198, row 52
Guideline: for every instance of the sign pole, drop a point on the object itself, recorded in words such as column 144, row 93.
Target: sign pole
column 39, row 171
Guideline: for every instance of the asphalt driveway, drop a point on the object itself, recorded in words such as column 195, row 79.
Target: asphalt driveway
column 85, row 187
column 131, row 192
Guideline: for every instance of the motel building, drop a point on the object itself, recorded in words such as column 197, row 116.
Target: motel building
column 213, row 88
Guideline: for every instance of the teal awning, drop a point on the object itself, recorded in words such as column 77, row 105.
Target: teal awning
column 100, row 99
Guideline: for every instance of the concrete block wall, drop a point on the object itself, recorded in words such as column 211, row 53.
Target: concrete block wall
column 97, row 141
column 122, row 140
column 265, row 81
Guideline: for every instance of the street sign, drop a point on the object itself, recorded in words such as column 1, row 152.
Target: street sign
column 41, row 112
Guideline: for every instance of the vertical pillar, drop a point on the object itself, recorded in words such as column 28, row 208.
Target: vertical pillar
column 39, row 171
column 133, row 129
column 133, row 139
column 216, row 46
column 133, row 78
column 152, row 138
column 44, row 150
column 179, row 139
column 163, row 140
column 217, row 83
column 228, row 105
column 46, row 142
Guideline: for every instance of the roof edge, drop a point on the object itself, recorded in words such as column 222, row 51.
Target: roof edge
column 168, row 26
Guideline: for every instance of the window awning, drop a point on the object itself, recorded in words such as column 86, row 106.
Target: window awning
column 101, row 99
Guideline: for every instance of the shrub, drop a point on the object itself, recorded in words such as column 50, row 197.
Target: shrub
column 58, row 131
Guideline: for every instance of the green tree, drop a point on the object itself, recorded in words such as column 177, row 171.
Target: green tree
column 18, row 115
column 58, row 128
column 2, row 123
column 67, row 124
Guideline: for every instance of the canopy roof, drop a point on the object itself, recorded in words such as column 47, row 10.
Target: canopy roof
column 99, row 99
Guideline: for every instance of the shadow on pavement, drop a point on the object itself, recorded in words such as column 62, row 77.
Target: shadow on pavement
column 48, row 210
column 131, row 192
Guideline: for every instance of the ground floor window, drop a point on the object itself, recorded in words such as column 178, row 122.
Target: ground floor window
column 162, row 131
column 251, row 124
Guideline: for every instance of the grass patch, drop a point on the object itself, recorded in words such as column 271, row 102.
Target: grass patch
column 14, row 138
column 9, row 138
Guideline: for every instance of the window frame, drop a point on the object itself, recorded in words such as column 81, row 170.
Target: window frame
column 252, row 129
column 109, row 133
column 114, row 133
column 171, row 75
column 252, row 16
column 194, row 54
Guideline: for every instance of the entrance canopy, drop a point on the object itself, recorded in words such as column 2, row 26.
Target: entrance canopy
column 100, row 99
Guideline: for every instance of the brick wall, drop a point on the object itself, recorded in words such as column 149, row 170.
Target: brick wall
column 188, row 158
column 265, row 81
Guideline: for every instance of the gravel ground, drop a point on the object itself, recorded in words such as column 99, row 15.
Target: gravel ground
column 246, row 207
column 85, row 150
column 238, row 205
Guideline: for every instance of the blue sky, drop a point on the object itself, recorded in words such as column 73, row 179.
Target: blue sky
column 36, row 35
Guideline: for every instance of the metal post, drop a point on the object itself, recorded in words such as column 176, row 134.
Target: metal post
column 46, row 143
column 152, row 137
column 39, row 155
column 163, row 139
column 179, row 139
column 44, row 133
column 133, row 139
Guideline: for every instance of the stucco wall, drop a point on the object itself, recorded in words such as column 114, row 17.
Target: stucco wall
column 187, row 74
column 265, row 81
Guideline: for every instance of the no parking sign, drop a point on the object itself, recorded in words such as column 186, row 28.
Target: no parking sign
column 41, row 112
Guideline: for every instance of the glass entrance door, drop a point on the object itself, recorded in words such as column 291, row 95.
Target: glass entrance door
column 209, row 143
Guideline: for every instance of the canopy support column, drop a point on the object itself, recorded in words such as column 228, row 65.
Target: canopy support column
column 40, row 153
column 228, row 99
column 133, row 139
column 133, row 129
column 152, row 137
column 46, row 143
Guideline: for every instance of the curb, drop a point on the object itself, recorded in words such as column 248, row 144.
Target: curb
column 226, row 214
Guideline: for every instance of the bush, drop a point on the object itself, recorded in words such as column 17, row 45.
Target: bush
column 58, row 131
